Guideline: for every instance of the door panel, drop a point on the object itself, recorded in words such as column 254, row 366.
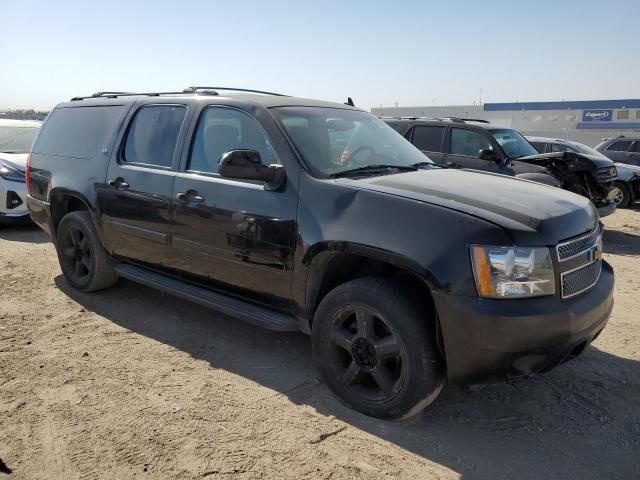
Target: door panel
column 137, row 216
column 235, row 233
column 136, row 197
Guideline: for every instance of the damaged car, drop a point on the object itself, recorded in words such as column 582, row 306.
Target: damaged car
column 481, row 145
column 628, row 176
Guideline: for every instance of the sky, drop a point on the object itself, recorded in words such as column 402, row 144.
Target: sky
column 377, row 52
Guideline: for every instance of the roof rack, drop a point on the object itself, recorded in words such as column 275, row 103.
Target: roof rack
column 186, row 91
column 230, row 89
column 463, row 120
column 397, row 117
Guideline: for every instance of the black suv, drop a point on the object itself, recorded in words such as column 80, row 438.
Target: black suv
column 297, row 214
column 621, row 149
column 480, row 145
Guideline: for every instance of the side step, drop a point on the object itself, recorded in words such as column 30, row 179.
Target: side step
column 248, row 312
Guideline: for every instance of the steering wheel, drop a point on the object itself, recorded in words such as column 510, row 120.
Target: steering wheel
column 358, row 151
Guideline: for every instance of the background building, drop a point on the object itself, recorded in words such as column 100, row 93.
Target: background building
column 586, row 121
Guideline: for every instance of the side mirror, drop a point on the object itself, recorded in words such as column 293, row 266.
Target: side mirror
column 488, row 154
column 247, row 165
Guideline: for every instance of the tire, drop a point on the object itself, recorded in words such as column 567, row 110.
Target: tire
column 373, row 346
column 624, row 199
column 83, row 260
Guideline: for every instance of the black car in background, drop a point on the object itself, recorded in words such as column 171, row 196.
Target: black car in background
column 621, row 149
column 302, row 215
column 627, row 182
column 480, row 145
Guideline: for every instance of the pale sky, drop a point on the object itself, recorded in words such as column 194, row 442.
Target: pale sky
column 410, row 52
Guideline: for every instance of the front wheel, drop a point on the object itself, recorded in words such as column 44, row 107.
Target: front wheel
column 623, row 198
column 373, row 345
column 83, row 260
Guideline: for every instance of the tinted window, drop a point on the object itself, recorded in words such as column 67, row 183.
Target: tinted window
column 428, row 138
column 467, row 142
column 153, row 135
column 77, row 132
column 621, row 146
column 557, row 147
column 636, row 147
column 222, row 129
column 539, row 146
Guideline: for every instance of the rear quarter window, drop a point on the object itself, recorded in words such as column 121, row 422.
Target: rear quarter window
column 77, row 132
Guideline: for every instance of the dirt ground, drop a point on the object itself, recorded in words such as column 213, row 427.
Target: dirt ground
column 132, row 383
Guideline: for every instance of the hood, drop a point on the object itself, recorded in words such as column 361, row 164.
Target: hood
column 532, row 213
column 18, row 160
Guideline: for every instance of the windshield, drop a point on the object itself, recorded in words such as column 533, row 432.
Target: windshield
column 16, row 139
column 513, row 143
column 334, row 140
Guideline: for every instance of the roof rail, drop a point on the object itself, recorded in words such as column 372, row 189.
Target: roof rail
column 474, row 120
column 230, row 89
column 398, row 117
column 186, row 91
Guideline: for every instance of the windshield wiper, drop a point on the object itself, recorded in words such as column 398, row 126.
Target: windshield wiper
column 427, row 164
column 373, row 169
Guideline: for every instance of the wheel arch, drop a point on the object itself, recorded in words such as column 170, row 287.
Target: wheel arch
column 63, row 201
column 333, row 263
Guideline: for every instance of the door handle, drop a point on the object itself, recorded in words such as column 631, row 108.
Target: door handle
column 190, row 195
column 118, row 184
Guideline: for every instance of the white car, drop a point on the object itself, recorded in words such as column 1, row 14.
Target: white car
column 16, row 138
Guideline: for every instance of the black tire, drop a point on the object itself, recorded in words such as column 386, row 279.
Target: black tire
column 83, row 260
column 374, row 346
column 624, row 199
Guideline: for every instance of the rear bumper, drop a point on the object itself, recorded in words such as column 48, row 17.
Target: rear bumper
column 493, row 340
column 40, row 212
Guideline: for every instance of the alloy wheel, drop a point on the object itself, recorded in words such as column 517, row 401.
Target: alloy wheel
column 367, row 355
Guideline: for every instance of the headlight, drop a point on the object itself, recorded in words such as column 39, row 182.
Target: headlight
column 512, row 272
column 11, row 174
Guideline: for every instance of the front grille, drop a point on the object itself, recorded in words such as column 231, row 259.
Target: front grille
column 581, row 279
column 606, row 174
column 575, row 247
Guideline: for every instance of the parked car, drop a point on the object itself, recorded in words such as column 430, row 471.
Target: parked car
column 16, row 137
column 303, row 215
column 628, row 176
column 621, row 149
column 480, row 145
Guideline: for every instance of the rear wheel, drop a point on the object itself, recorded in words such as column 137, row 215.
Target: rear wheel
column 83, row 260
column 373, row 347
column 623, row 199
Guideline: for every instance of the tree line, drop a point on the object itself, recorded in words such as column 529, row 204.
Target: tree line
column 23, row 114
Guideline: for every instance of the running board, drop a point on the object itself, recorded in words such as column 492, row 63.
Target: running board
column 248, row 312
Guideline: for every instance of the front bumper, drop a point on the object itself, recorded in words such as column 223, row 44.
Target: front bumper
column 488, row 340
column 13, row 202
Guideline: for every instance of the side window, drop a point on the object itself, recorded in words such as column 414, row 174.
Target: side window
column 153, row 135
column 467, row 142
column 539, row 146
column 622, row 146
column 557, row 147
column 428, row 138
column 221, row 129
column 636, row 147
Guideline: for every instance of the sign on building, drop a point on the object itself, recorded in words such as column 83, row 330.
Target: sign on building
column 597, row 115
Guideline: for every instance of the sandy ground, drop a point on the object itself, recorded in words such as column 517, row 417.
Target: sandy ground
column 131, row 383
